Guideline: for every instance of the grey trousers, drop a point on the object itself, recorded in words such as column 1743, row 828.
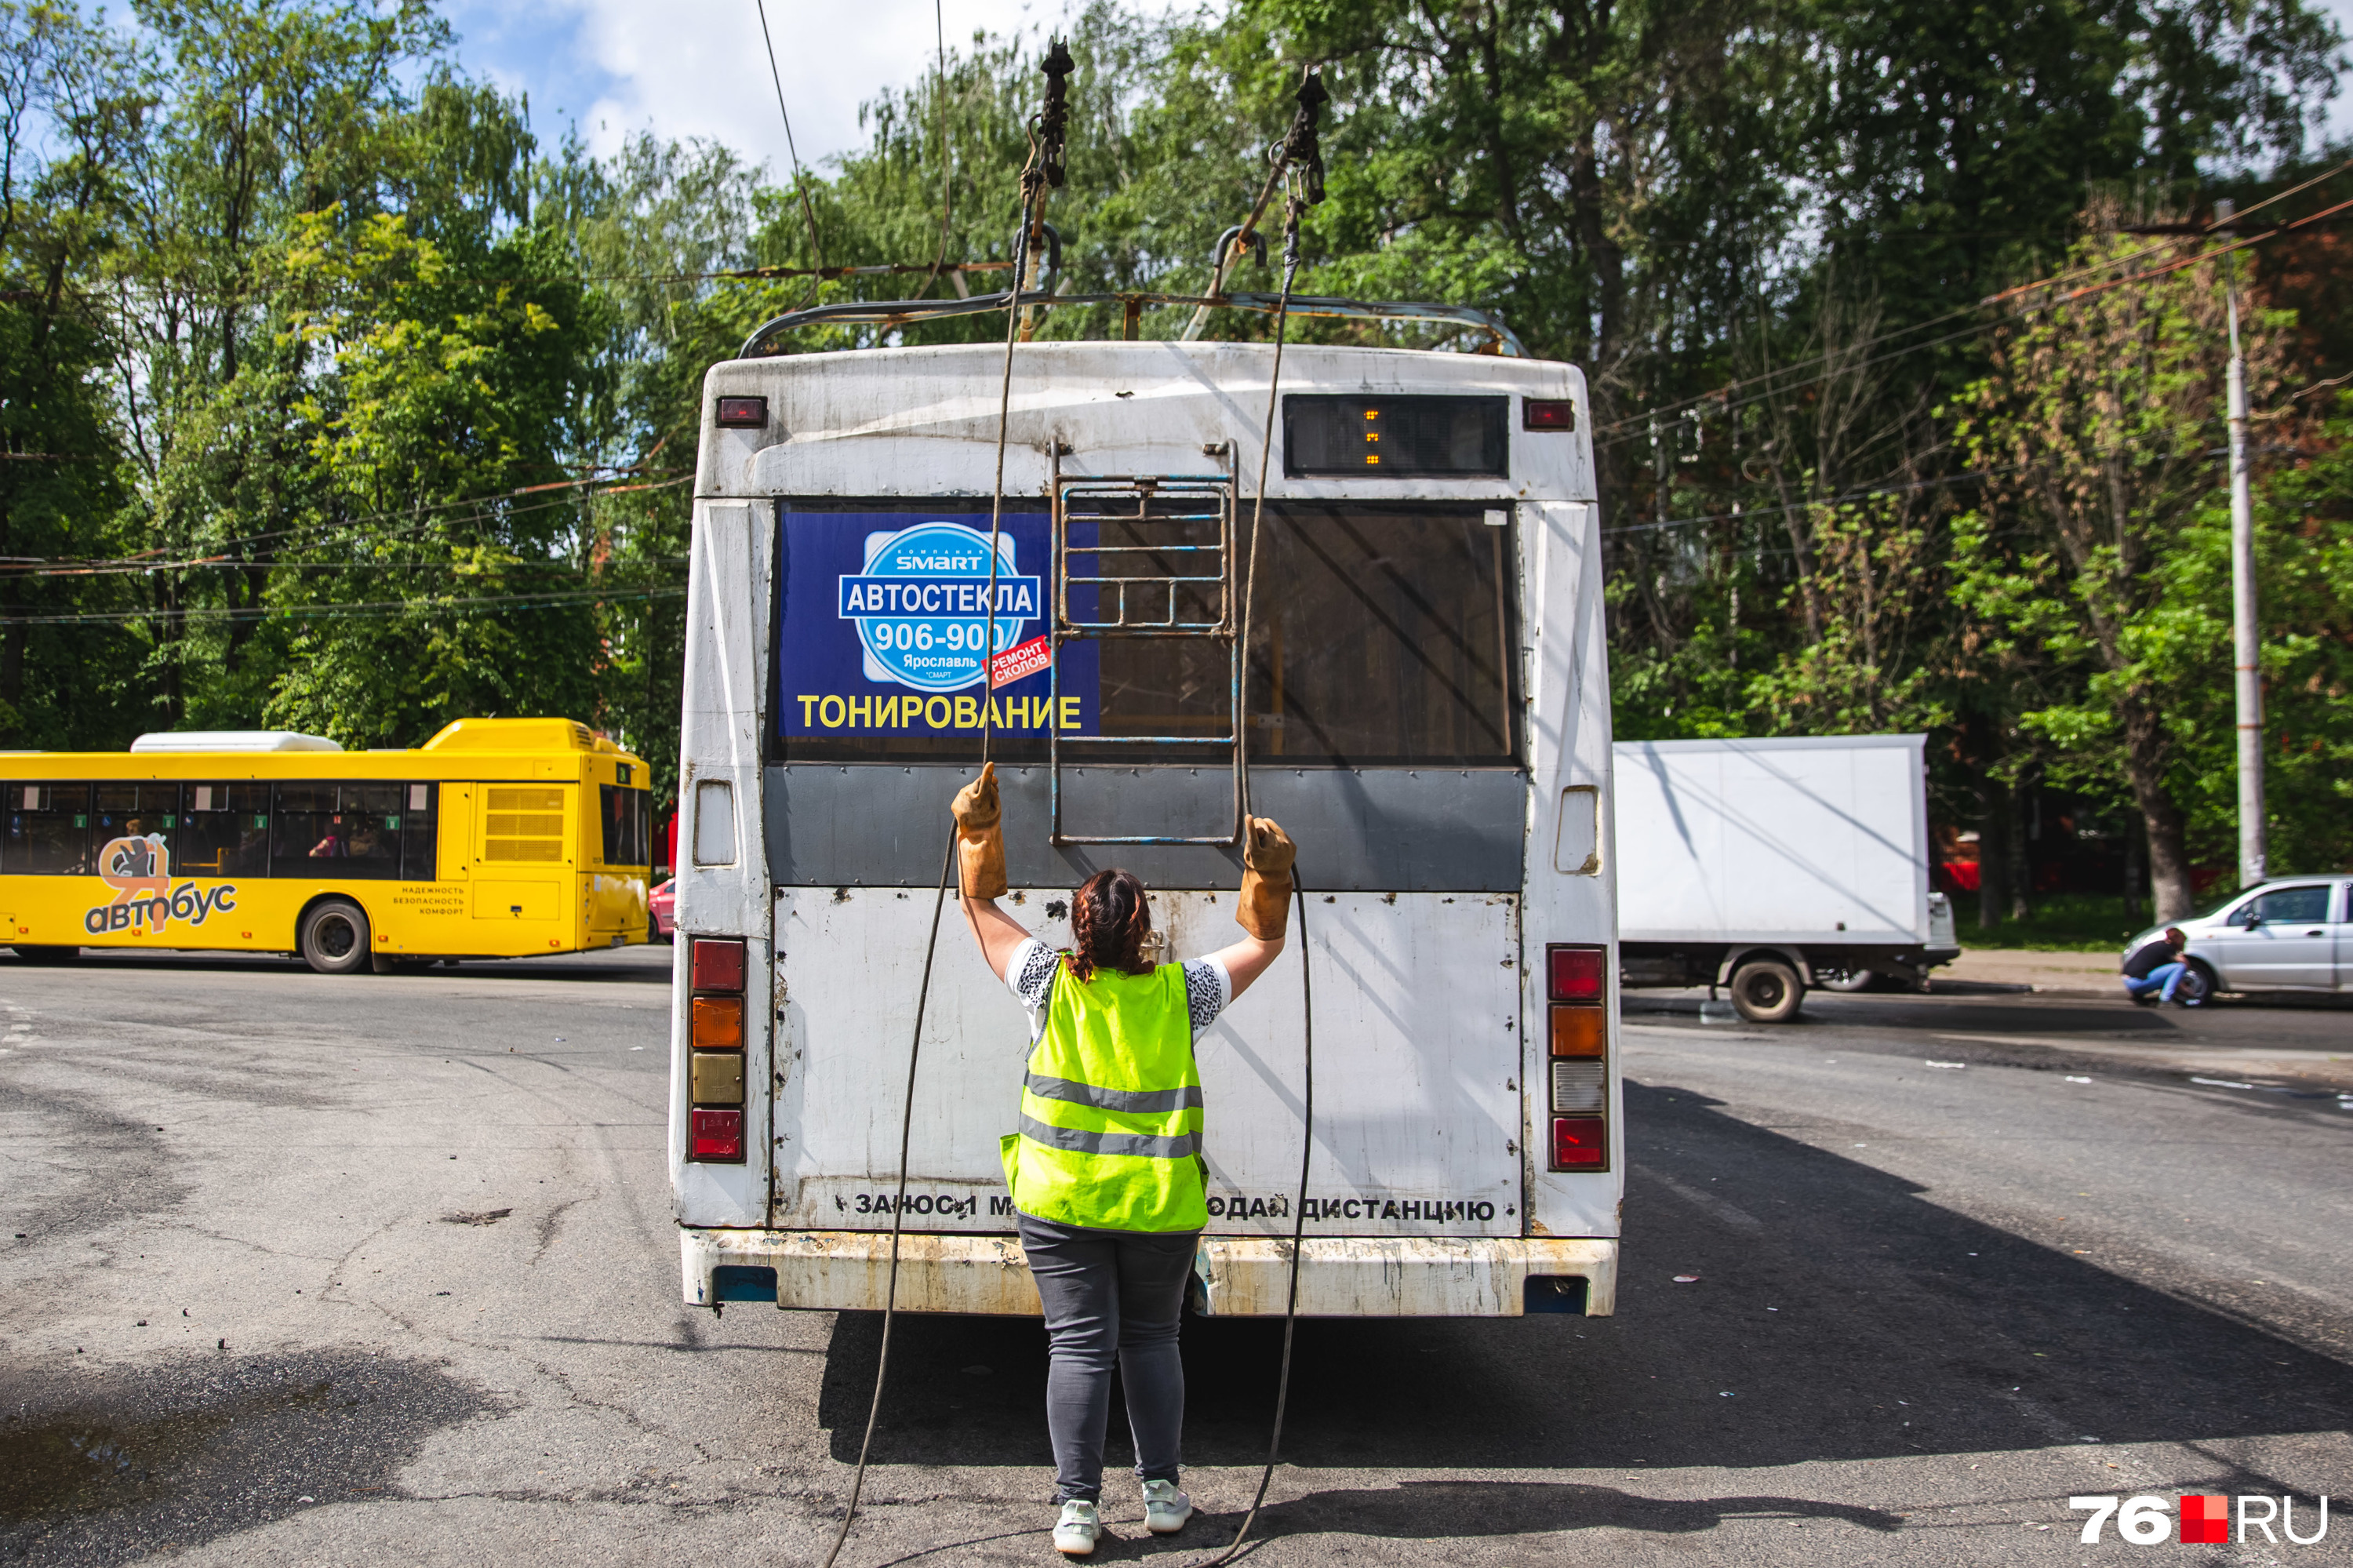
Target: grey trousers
column 1111, row 1295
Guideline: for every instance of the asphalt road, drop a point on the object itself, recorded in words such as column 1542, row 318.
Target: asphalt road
column 380, row 1269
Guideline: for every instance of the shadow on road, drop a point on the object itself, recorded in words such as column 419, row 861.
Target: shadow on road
column 2286, row 1020
column 2018, row 1015
column 1838, row 1316
column 1451, row 1511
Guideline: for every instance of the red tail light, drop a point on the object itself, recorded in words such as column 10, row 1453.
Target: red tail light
column 1547, row 414
column 718, row 1134
column 1574, row 973
column 717, row 963
column 1578, row 1143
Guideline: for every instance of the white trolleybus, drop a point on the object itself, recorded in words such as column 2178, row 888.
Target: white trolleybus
column 1423, row 703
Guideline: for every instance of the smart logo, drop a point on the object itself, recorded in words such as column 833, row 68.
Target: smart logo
column 922, row 604
column 2205, row 1518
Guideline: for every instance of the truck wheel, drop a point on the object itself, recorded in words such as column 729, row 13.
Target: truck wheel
column 1767, row 991
column 334, row 936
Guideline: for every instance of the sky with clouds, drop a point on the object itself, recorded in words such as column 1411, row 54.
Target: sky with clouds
column 615, row 67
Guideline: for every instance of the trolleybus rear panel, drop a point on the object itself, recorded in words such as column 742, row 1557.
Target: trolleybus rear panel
column 1448, row 803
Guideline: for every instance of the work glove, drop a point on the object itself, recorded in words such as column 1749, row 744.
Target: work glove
column 1264, row 909
column 980, row 836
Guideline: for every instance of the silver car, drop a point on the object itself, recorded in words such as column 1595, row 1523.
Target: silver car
column 2293, row 933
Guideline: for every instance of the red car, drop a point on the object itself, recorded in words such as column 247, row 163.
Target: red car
column 663, row 905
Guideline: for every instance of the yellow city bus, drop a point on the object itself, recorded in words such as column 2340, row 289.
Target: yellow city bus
column 497, row 837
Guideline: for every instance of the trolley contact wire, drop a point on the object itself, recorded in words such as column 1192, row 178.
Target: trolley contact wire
column 1043, row 169
column 1304, row 157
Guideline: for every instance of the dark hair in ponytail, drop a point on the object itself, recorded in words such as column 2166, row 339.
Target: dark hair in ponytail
column 1109, row 920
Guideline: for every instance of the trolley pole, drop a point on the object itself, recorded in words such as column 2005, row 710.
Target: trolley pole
column 2245, row 644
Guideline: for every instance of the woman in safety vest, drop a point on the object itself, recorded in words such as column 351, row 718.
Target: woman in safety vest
column 1106, row 1172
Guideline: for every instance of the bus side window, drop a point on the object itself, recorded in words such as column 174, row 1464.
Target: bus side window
column 371, row 817
column 224, row 831
column 135, row 811
column 420, row 827
column 305, row 838
column 521, row 824
column 46, row 830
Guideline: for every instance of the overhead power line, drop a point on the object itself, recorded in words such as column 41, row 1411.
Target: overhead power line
column 1770, row 382
column 234, row 563
column 800, row 185
column 1966, row 476
column 1865, row 492
column 148, row 560
column 477, row 605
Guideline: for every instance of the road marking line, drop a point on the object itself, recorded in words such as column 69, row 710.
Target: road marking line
column 1708, row 1202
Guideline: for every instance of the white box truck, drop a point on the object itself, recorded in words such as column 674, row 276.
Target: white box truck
column 1768, row 866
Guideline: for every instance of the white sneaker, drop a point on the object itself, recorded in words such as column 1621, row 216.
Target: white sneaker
column 1166, row 1508
column 1075, row 1532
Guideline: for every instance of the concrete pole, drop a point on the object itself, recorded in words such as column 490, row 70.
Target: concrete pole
column 2245, row 644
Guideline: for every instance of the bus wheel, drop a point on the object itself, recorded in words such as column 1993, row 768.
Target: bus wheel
column 1767, row 991
column 33, row 954
column 335, row 936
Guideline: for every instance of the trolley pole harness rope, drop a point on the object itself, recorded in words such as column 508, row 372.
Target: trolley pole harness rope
column 1298, row 162
column 1043, row 171
column 1298, row 165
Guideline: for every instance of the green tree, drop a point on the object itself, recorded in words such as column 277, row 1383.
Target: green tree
column 2304, row 571
column 73, row 115
column 2097, row 433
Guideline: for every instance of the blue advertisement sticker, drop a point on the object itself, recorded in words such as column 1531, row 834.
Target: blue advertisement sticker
column 886, row 627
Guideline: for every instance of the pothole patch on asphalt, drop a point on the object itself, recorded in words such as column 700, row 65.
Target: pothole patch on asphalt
column 109, row 1467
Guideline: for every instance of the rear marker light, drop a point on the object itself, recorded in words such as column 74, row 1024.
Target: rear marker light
column 717, row 963
column 741, row 413
column 1574, row 973
column 1547, row 414
column 718, row 1024
column 718, row 1134
column 1578, row 1143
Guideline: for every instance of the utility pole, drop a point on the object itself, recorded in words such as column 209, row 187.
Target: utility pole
column 2244, row 641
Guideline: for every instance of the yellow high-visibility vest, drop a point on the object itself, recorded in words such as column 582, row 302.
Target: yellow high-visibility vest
column 1110, row 1109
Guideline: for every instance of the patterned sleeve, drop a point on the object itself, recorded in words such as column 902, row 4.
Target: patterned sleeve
column 1029, row 973
column 1208, row 989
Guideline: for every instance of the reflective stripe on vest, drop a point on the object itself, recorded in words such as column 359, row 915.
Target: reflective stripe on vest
column 1111, row 1107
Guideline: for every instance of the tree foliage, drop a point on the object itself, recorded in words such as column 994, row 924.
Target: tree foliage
column 334, row 396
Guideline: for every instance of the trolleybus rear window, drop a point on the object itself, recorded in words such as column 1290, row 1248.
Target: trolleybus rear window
column 1382, row 638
